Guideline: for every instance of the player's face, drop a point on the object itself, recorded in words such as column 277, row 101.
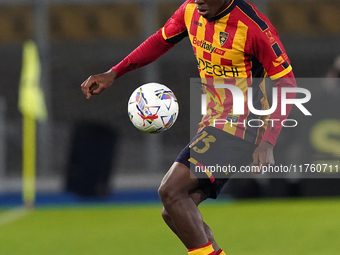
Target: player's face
column 210, row 8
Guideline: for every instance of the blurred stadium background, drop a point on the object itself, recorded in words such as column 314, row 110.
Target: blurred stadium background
column 89, row 148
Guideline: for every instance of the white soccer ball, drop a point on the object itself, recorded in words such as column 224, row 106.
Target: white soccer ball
column 153, row 108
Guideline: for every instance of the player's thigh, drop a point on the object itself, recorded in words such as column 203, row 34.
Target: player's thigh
column 178, row 180
column 197, row 196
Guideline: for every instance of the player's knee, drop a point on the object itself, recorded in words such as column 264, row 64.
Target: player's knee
column 164, row 192
column 165, row 215
column 167, row 194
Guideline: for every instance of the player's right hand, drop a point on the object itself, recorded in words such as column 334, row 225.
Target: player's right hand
column 263, row 156
column 96, row 84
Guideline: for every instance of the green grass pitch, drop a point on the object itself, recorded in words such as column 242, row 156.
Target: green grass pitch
column 265, row 227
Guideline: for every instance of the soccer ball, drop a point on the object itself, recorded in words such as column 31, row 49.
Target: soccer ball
column 153, row 108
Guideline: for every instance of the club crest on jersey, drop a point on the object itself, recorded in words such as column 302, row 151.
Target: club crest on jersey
column 223, row 38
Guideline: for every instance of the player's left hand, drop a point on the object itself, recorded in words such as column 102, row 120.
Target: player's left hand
column 263, row 155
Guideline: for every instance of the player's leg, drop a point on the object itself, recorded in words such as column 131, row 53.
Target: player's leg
column 179, row 185
column 208, row 148
column 174, row 192
column 197, row 196
column 208, row 231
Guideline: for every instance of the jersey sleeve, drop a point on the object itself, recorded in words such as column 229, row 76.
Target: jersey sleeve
column 272, row 132
column 150, row 50
column 268, row 49
column 175, row 29
column 156, row 45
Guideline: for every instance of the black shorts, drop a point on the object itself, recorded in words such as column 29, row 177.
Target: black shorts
column 213, row 155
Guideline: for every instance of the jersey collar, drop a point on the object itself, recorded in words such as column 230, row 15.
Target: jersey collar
column 225, row 12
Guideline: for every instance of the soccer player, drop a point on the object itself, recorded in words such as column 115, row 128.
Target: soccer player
column 233, row 41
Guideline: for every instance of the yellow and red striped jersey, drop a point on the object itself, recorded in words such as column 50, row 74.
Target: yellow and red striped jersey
column 236, row 46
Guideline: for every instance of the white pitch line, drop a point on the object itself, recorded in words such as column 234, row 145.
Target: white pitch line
column 12, row 215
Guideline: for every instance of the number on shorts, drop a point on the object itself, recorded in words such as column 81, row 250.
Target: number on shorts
column 206, row 139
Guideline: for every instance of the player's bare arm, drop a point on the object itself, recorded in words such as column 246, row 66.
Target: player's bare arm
column 96, row 84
